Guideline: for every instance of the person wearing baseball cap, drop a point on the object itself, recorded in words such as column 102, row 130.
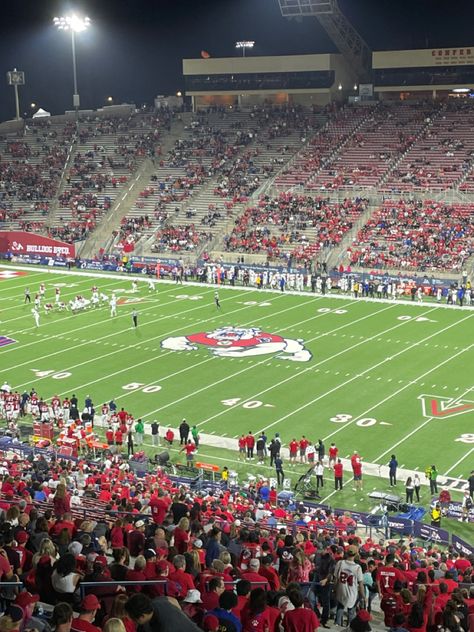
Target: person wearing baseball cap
column 26, row 601
column 349, row 585
column 88, row 610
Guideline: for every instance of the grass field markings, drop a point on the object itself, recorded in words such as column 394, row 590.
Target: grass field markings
column 254, row 365
column 75, row 292
column 378, row 364
column 128, row 368
column 286, row 379
column 458, row 462
column 7, row 287
column 78, row 314
column 428, row 420
column 109, row 335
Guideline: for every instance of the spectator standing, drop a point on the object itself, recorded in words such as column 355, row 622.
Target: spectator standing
column 279, row 470
column 338, row 475
column 139, row 431
column 409, row 489
column 349, row 586
column 155, row 433
column 183, row 432
column 392, row 470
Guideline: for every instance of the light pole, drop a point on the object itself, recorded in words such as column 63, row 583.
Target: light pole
column 244, row 44
column 75, row 24
column 16, row 78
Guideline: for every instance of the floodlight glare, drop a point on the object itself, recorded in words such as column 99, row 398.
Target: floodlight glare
column 461, row 90
column 75, row 24
column 72, row 22
column 244, row 44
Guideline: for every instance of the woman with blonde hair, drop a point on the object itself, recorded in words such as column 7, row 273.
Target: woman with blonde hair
column 299, row 568
column 193, row 563
column 114, row 625
column 181, row 535
column 48, row 548
column 61, row 501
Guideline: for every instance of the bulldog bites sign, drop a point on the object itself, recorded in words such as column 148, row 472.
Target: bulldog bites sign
column 23, row 243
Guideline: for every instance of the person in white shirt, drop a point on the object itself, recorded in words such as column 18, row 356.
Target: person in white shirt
column 36, row 316
column 349, row 586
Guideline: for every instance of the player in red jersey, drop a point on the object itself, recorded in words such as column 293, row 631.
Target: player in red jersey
column 387, row 576
column 242, row 447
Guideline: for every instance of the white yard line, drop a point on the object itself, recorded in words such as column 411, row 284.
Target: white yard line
column 313, row 366
column 120, row 332
column 324, row 334
column 74, row 292
column 459, row 461
column 153, row 358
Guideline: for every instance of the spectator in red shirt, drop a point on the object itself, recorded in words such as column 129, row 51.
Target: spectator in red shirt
column 356, row 462
column 253, row 575
column 180, row 577
column 293, row 447
column 338, row 474
column 300, row 619
column 159, row 504
column 250, row 444
column 255, row 616
column 210, row 598
column 181, row 535
column 84, row 622
column 61, row 501
column 333, row 452
column 387, row 576
column 136, row 539
column 267, row 571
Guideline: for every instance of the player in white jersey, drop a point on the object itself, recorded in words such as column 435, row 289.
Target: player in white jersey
column 134, row 286
column 57, row 295
column 37, row 301
column 42, row 289
column 95, row 300
column 103, row 298
column 62, row 306
column 151, row 285
column 36, row 316
column 113, row 306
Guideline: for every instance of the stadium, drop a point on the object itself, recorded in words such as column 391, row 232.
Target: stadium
column 236, row 327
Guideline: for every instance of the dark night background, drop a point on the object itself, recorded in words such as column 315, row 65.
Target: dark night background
column 134, row 48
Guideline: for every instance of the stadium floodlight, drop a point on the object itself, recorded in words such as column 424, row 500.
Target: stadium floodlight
column 75, row 24
column 243, row 45
column 461, row 90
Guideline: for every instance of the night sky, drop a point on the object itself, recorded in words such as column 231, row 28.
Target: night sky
column 133, row 50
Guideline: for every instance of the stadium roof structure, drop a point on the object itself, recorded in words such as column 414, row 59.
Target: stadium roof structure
column 346, row 38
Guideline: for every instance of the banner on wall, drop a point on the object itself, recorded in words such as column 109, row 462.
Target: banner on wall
column 23, row 243
column 461, row 546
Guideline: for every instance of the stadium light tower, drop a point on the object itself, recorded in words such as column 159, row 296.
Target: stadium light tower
column 75, row 24
column 244, row 45
column 337, row 26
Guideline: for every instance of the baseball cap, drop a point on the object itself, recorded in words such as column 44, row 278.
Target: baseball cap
column 254, row 563
column 139, row 523
column 193, row 596
column 21, row 537
column 198, row 543
column 25, row 598
column 161, row 566
column 364, row 615
column 90, row 602
column 210, row 623
column 149, row 553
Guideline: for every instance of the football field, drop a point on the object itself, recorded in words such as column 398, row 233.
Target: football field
column 376, row 377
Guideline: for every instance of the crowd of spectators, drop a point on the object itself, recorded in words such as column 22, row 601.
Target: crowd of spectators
column 303, row 223
column 178, row 238
column 230, row 558
column 415, row 234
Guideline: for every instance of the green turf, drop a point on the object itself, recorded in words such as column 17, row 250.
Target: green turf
column 370, row 361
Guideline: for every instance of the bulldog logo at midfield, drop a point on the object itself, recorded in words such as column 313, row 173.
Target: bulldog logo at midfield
column 236, row 342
